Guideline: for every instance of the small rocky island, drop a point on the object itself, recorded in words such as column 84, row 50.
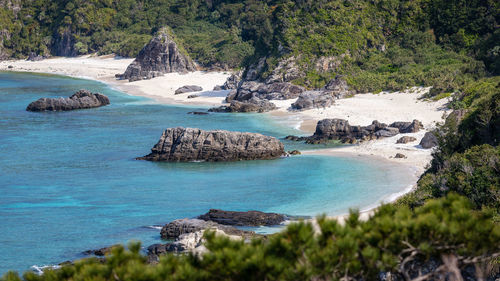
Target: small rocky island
column 190, row 144
column 80, row 100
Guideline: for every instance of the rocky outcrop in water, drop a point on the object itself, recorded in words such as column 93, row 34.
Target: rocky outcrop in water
column 161, row 55
column 313, row 99
column 188, row 144
column 80, row 100
column 249, row 218
column 100, row 252
column 252, row 105
column 179, row 227
column 188, row 89
column 429, row 140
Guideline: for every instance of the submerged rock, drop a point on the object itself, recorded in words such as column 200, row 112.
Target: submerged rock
column 80, row 100
column 188, row 144
column 188, row 89
column 161, row 55
column 249, row 218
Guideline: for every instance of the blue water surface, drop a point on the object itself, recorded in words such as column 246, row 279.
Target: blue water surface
column 69, row 181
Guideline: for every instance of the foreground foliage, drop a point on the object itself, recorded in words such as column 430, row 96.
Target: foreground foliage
column 390, row 242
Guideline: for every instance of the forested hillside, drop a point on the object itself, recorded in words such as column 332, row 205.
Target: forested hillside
column 389, row 43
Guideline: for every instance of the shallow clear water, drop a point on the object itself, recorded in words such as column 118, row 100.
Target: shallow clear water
column 69, row 181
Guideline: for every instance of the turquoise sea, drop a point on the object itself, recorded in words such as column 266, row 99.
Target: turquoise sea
column 69, row 181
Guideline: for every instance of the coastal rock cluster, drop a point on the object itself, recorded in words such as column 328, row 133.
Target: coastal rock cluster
column 161, row 55
column 340, row 129
column 189, row 144
column 80, row 100
column 188, row 89
column 188, row 233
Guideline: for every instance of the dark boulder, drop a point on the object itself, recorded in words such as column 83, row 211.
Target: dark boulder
column 249, row 218
column 188, row 89
column 161, row 55
column 100, row 252
column 408, row 127
column 294, row 152
column 198, row 113
column 80, row 100
column 400, row 156
column 406, row 139
column 313, row 99
column 188, row 144
column 251, row 105
column 429, row 140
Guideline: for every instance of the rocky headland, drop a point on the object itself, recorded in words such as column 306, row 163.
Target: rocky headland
column 161, row 55
column 189, row 144
column 80, row 100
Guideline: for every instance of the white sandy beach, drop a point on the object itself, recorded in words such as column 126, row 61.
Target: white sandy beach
column 361, row 109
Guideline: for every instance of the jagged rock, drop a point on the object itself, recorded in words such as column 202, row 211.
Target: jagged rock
column 34, row 57
column 294, row 152
column 251, row 105
column 100, row 252
column 232, row 81
column 339, row 129
column 429, row 140
column 250, row 218
column 287, row 70
column 176, row 228
column 253, row 71
column 231, row 95
column 338, row 88
column 406, row 139
column 80, row 100
column 313, row 99
column 408, row 127
column 188, row 89
column 275, row 91
column 161, row 55
column 400, row 156
column 188, row 144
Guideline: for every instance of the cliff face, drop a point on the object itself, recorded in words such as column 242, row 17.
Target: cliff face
column 188, row 144
column 11, row 8
column 161, row 55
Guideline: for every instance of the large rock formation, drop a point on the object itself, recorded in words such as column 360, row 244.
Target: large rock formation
column 177, row 228
column 80, row 100
column 252, row 105
column 250, row 218
column 161, row 55
column 339, row 129
column 313, row 99
column 429, row 140
column 272, row 91
column 188, row 144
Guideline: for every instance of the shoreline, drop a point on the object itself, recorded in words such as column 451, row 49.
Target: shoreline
column 359, row 110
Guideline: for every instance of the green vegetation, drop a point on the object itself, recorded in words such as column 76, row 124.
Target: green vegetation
column 391, row 241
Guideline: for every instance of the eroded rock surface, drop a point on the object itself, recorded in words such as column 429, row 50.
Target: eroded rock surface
column 313, row 99
column 189, row 144
column 188, row 89
column 252, row 105
column 161, row 55
column 429, row 140
column 80, row 100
